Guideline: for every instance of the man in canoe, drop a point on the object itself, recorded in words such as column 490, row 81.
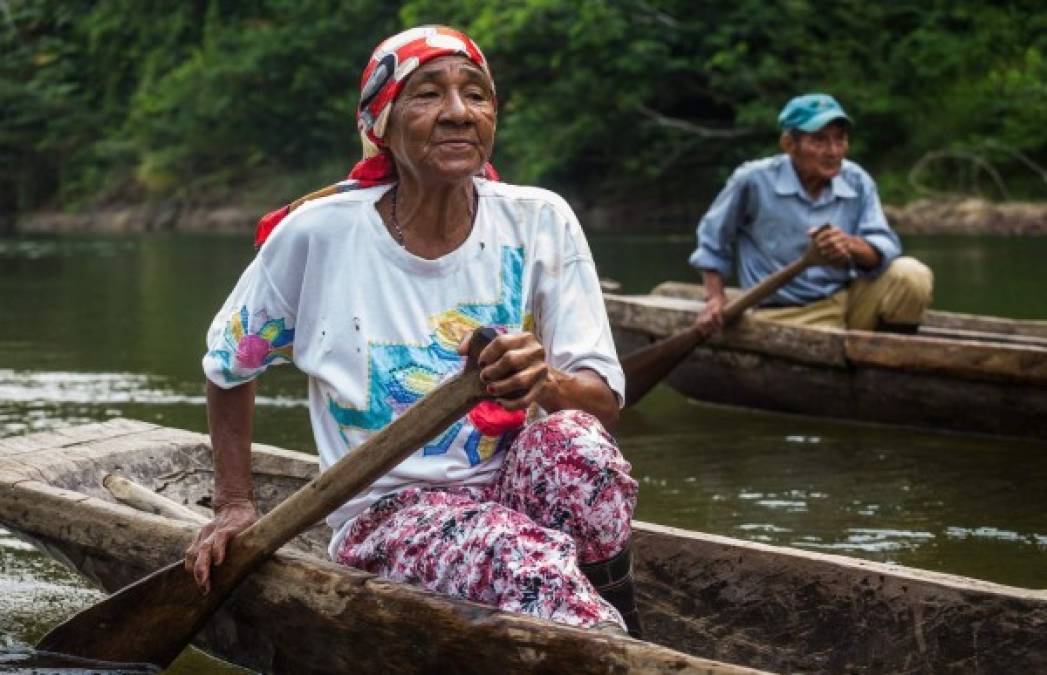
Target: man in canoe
column 771, row 207
column 371, row 288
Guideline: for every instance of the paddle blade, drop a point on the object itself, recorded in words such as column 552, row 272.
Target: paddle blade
column 150, row 621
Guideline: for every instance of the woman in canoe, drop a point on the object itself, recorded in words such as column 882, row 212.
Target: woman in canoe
column 370, row 288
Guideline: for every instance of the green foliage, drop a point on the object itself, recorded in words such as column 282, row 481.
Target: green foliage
column 129, row 99
column 270, row 86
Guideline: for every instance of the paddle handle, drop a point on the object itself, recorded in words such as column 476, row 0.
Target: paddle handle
column 367, row 463
column 769, row 285
column 649, row 365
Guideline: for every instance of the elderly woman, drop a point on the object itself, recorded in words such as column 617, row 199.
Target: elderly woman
column 370, row 287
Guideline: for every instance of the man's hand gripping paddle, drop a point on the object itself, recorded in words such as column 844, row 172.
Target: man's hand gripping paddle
column 647, row 366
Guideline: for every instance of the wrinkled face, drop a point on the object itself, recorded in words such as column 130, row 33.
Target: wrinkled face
column 818, row 156
column 442, row 124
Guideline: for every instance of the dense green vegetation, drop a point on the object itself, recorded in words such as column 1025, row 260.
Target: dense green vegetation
column 127, row 100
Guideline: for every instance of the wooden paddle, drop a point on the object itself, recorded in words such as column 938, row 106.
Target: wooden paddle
column 152, row 620
column 647, row 366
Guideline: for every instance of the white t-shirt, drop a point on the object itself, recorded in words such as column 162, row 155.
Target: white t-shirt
column 376, row 327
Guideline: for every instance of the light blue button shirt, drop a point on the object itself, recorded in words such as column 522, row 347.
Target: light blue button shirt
column 765, row 214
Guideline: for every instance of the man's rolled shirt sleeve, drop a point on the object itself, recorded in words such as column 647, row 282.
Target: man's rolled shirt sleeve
column 873, row 228
column 718, row 228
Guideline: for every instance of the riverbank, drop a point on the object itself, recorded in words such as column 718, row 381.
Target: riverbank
column 969, row 216
column 154, row 217
column 959, row 216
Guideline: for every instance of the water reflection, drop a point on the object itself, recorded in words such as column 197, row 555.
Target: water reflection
column 42, row 248
column 34, row 590
column 100, row 388
column 37, row 593
column 32, row 401
column 967, row 505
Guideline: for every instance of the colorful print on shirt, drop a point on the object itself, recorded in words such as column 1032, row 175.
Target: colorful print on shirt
column 401, row 373
column 252, row 343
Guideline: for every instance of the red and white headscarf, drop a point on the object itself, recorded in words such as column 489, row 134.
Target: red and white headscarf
column 383, row 79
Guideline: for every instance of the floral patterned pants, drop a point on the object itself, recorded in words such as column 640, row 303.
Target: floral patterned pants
column 563, row 496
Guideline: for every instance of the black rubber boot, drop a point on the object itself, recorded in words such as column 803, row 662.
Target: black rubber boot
column 613, row 579
column 900, row 328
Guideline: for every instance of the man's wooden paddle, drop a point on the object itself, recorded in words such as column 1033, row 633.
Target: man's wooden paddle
column 152, row 620
column 647, row 366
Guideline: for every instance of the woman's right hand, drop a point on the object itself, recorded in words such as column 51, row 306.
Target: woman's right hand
column 209, row 547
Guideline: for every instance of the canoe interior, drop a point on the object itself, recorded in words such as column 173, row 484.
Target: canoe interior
column 954, row 383
column 715, row 598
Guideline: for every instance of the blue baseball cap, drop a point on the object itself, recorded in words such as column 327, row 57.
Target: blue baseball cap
column 811, row 112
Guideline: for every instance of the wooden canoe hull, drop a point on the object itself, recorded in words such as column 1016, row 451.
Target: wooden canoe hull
column 935, row 382
column 708, row 600
column 300, row 613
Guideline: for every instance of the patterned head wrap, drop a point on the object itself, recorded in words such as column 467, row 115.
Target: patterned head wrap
column 383, row 79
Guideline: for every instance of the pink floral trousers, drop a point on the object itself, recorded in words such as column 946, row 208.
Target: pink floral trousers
column 563, row 496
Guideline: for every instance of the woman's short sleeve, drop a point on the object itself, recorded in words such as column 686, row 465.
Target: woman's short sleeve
column 254, row 329
column 571, row 320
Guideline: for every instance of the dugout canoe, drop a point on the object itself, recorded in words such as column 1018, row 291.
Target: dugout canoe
column 707, row 601
column 961, row 372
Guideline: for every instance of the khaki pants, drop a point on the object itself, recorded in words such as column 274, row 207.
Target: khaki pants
column 899, row 295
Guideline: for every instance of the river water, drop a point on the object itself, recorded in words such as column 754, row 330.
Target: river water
column 105, row 327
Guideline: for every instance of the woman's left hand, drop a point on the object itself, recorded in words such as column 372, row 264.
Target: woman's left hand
column 513, row 367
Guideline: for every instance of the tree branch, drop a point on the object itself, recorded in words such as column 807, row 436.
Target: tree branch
column 659, row 16
column 936, row 155
column 1020, row 156
column 691, row 127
